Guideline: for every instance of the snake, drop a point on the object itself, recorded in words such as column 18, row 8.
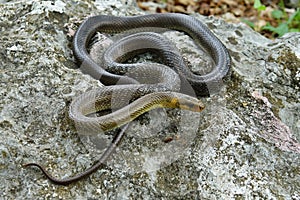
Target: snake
column 133, row 89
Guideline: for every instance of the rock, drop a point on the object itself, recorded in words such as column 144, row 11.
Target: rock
column 245, row 145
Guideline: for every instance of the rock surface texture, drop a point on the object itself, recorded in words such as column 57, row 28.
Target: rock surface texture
column 246, row 144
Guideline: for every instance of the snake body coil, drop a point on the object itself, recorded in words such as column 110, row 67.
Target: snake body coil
column 202, row 36
column 141, row 87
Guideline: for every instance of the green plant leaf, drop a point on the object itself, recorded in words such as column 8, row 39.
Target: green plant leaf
column 280, row 30
column 268, row 27
column 295, row 17
column 249, row 23
column 258, row 6
column 294, row 30
column 277, row 14
column 297, row 14
column 281, row 4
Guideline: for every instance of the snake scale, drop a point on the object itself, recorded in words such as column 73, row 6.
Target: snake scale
column 133, row 89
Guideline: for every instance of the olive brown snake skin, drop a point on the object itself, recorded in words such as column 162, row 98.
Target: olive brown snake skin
column 135, row 89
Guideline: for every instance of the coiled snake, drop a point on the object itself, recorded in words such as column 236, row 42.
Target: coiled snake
column 135, row 89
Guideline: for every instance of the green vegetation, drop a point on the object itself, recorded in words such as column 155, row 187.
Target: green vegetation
column 285, row 23
column 258, row 6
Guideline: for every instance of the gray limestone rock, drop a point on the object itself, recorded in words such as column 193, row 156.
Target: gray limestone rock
column 245, row 145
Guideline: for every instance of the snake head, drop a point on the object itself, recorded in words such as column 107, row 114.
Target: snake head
column 186, row 102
